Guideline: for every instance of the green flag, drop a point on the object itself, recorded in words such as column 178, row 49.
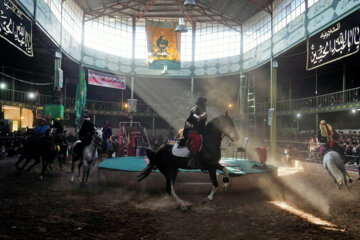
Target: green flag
column 80, row 96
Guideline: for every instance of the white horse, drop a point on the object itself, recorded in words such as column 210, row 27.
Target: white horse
column 334, row 165
column 90, row 154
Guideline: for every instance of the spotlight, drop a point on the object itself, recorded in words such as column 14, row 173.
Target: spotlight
column 31, row 95
column 181, row 28
column 21, row 117
column 230, row 105
column 126, row 105
column 2, row 85
column 353, row 111
column 298, row 115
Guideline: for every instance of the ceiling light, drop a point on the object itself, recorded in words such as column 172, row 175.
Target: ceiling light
column 189, row 3
column 31, row 95
column 181, row 28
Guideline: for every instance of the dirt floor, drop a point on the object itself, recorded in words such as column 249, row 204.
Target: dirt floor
column 58, row 209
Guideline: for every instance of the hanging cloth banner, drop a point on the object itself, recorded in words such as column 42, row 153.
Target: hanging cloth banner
column 336, row 42
column 106, row 80
column 16, row 27
column 163, row 45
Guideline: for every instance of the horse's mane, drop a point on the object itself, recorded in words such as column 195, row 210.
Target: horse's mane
column 214, row 122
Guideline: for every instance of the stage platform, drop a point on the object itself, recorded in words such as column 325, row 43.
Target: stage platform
column 236, row 167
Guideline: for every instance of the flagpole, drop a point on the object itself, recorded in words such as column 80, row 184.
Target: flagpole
column 78, row 121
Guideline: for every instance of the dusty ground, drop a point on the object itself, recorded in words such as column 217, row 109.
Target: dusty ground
column 58, row 209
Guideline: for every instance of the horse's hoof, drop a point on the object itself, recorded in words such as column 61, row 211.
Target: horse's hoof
column 185, row 207
column 226, row 186
column 210, row 198
column 350, row 180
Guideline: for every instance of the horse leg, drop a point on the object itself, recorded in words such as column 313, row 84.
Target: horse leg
column 347, row 174
column 226, row 178
column 18, row 162
column 37, row 160
column 27, row 160
column 72, row 168
column 212, row 173
column 85, row 170
column 88, row 170
column 45, row 163
column 79, row 167
column 345, row 179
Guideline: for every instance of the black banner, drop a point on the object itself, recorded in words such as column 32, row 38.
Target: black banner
column 16, row 27
column 336, row 42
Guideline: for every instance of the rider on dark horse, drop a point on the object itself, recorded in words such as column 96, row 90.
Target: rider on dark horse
column 41, row 128
column 193, row 129
column 329, row 137
column 58, row 126
column 40, row 132
column 85, row 135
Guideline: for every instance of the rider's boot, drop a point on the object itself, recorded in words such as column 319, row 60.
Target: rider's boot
column 194, row 162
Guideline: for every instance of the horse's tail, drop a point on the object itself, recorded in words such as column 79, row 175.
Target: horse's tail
column 146, row 171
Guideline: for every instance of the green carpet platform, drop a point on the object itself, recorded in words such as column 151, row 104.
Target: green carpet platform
column 237, row 167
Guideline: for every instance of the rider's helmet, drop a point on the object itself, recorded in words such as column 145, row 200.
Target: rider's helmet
column 201, row 103
column 86, row 117
column 57, row 119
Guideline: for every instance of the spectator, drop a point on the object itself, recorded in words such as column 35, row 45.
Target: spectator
column 107, row 133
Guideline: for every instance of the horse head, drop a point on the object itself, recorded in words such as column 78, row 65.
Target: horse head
column 228, row 128
column 98, row 135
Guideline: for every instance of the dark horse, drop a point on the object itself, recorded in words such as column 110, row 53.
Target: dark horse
column 43, row 148
column 210, row 155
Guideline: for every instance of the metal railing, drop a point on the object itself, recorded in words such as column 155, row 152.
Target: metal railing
column 41, row 99
column 316, row 102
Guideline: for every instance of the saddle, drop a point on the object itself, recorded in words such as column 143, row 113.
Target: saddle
column 180, row 151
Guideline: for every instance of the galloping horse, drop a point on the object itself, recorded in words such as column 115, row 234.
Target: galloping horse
column 43, row 149
column 210, row 155
column 335, row 167
column 89, row 155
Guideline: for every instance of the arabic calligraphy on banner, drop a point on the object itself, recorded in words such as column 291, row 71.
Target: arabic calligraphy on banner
column 16, row 27
column 333, row 43
column 106, row 80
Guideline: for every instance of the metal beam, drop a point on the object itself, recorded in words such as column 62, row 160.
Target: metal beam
column 148, row 5
column 124, row 6
column 226, row 7
column 205, row 8
column 243, row 9
column 87, row 4
column 113, row 5
column 203, row 11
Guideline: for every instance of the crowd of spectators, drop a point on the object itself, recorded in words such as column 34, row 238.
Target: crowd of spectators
column 306, row 146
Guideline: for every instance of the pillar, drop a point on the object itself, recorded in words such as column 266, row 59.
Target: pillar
column 273, row 76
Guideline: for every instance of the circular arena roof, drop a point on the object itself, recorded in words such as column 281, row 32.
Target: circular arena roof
column 227, row 12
